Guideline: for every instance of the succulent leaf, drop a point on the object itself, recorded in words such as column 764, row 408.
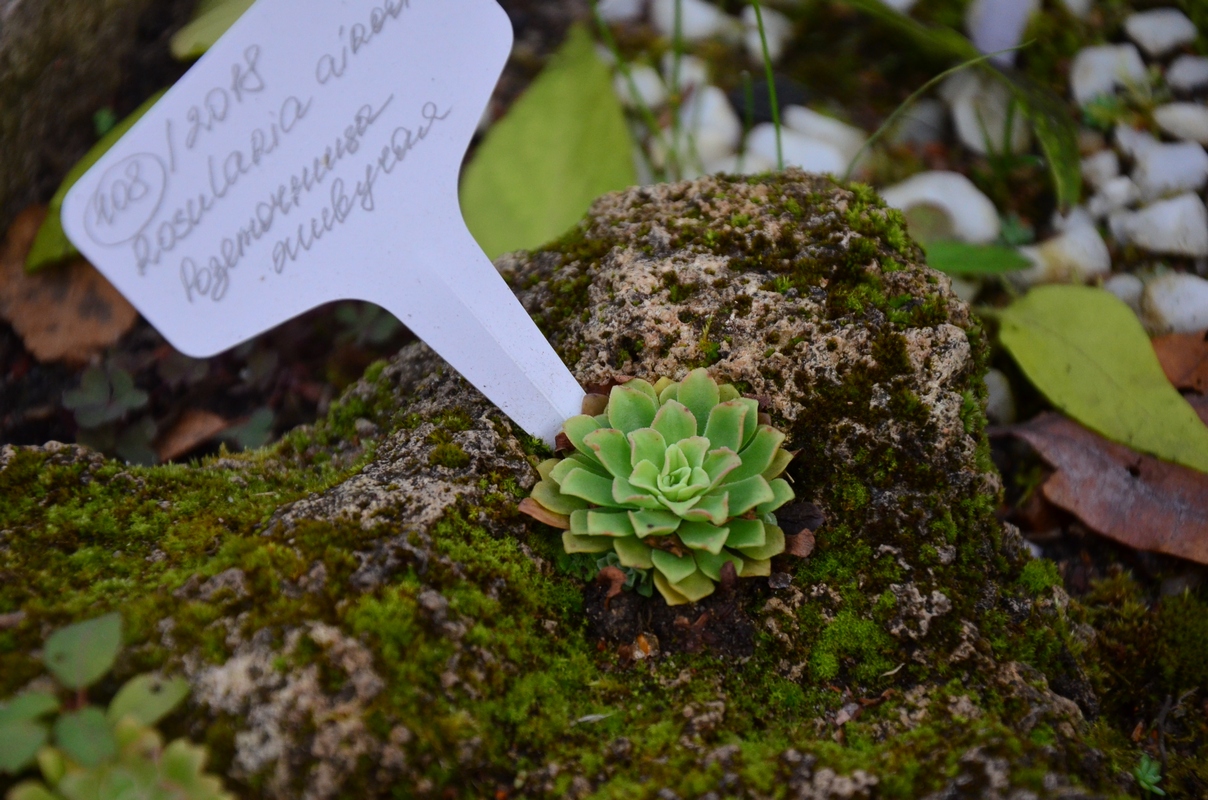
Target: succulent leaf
column 673, row 478
column 674, row 567
column 724, row 428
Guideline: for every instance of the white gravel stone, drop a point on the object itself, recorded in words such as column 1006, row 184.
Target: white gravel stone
column 621, row 10
column 712, row 125
column 1166, row 169
column 1000, row 404
column 924, row 122
column 698, row 19
column 649, row 85
column 970, row 215
column 1178, row 226
column 979, row 112
column 1076, row 216
column 995, row 25
column 693, row 72
column 1132, row 142
column 1100, row 69
column 1175, row 303
column 847, row 139
column 902, row 6
column 1188, row 73
column 807, row 152
column 1186, row 121
column 776, row 26
column 1159, row 31
column 1079, row 8
column 740, row 164
column 1072, row 257
column 1116, row 194
column 1101, row 167
column 1128, row 288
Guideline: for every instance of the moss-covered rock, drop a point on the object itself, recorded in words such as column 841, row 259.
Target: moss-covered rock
column 362, row 611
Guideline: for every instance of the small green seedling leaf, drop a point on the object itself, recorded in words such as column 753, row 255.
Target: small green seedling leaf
column 1057, row 132
column 86, row 736
column 51, row 245
column 1148, row 773
column 210, row 21
column 31, row 790
column 962, row 258
column 563, row 144
column 80, row 654
column 1086, row 351
column 20, row 741
column 28, row 706
column 147, row 699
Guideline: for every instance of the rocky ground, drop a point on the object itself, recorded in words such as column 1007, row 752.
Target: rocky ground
column 359, row 608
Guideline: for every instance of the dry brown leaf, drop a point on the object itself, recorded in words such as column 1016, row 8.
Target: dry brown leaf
column 614, row 578
column 193, row 429
column 1184, row 359
column 542, row 514
column 1135, row 499
column 799, row 544
column 65, row 314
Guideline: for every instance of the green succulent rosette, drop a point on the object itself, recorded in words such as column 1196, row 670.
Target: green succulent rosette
column 675, row 478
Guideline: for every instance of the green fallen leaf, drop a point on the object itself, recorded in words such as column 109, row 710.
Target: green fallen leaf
column 210, row 21
column 19, row 744
column 80, row 654
column 86, row 736
column 28, row 706
column 147, row 698
column 563, row 144
column 51, row 246
column 961, row 258
column 1086, row 351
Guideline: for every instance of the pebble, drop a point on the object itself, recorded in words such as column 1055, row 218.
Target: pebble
column 847, row 139
column 1128, row 288
column 1175, row 303
column 806, row 152
column 979, row 112
column 1076, row 216
column 1160, row 31
column 1074, row 256
column 1178, row 226
column 698, row 19
column 966, row 214
column 776, row 27
column 1188, row 73
column 924, row 122
column 1165, row 169
column 1079, row 8
column 995, row 25
column 740, row 164
column 1114, row 195
column 1186, row 121
column 1100, row 69
column 693, row 72
column 1132, row 142
column 649, row 85
column 901, row 6
column 1100, row 168
column 1000, row 404
column 712, row 123
column 620, row 10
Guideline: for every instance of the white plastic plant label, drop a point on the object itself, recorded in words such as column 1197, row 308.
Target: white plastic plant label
column 312, row 155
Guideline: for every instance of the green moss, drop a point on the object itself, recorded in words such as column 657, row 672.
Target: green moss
column 1039, row 576
column 858, row 646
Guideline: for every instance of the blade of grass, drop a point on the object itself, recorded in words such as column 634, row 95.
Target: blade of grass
column 905, row 104
column 644, row 110
column 677, row 48
column 767, row 66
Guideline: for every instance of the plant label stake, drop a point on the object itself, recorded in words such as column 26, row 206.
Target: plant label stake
column 312, row 155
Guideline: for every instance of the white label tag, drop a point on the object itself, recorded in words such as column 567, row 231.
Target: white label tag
column 312, row 155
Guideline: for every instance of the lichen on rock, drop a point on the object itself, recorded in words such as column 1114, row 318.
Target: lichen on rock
column 362, row 611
